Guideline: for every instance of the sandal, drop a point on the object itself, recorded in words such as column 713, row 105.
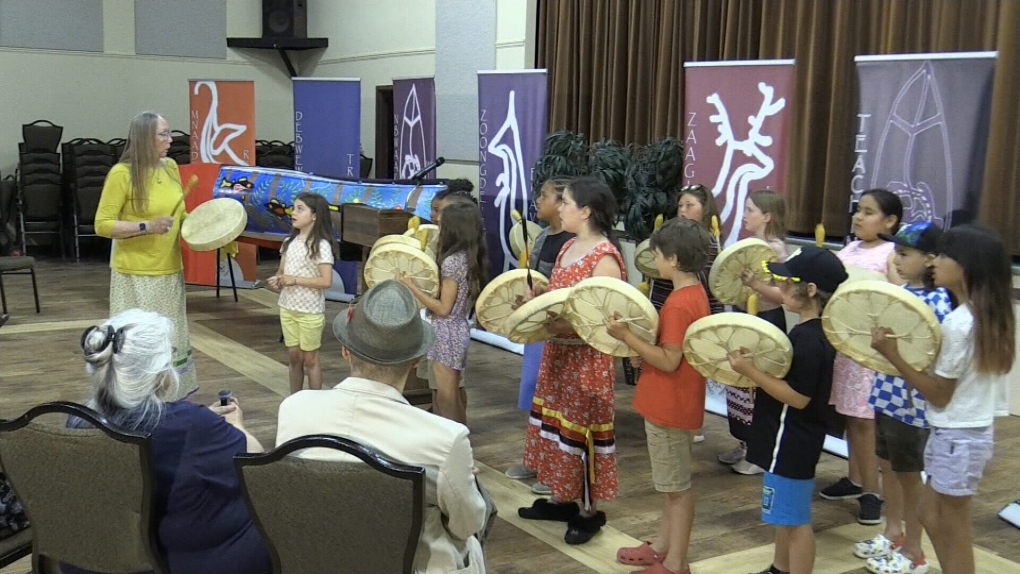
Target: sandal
column 642, row 555
column 543, row 509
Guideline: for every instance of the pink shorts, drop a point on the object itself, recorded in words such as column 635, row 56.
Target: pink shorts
column 955, row 459
column 851, row 388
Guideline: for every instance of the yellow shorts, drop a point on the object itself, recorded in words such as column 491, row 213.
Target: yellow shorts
column 302, row 330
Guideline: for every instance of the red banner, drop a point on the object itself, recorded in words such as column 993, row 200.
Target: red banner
column 222, row 126
column 736, row 132
column 222, row 122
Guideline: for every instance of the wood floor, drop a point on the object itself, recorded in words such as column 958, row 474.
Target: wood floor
column 237, row 348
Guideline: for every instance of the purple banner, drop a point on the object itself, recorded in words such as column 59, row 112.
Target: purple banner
column 922, row 132
column 327, row 127
column 511, row 131
column 414, row 125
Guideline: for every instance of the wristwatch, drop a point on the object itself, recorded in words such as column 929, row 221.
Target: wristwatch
column 141, row 227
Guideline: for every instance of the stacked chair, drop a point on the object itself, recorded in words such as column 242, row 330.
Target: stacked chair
column 274, row 154
column 118, row 146
column 180, row 147
column 86, row 163
column 39, row 182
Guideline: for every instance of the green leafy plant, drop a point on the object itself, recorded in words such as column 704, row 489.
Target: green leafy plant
column 565, row 154
column 608, row 161
column 653, row 176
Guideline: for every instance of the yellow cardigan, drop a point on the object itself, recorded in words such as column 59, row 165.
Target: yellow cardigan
column 143, row 254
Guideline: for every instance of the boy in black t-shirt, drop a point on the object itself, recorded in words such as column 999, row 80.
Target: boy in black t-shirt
column 789, row 415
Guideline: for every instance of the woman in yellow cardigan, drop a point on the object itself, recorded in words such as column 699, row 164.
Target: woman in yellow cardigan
column 142, row 211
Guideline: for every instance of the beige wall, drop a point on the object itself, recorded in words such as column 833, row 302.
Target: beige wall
column 378, row 41
column 96, row 94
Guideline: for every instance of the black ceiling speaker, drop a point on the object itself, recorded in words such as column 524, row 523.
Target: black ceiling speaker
column 284, row 19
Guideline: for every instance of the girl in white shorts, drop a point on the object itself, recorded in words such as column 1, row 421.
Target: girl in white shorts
column 967, row 387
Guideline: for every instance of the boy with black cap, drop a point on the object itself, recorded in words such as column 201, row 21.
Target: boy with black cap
column 900, row 421
column 789, row 415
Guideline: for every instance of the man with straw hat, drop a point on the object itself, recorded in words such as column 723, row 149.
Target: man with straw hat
column 383, row 337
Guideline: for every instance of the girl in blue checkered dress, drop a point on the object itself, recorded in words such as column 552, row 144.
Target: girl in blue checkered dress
column 901, row 428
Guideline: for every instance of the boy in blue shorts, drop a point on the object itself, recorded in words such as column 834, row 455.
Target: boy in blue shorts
column 789, row 415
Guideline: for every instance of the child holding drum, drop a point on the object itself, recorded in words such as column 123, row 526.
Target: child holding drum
column 901, row 428
column 790, row 413
column 765, row 219
column 544, row 252
column 670, row 394
column 966, row 389
column 463, row 264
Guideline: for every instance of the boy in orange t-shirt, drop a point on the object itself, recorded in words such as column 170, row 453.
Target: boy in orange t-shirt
column 670, row 394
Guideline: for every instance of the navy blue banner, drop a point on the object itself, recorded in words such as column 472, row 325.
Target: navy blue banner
column 512, row 110
column 327, row 127
column 414, row 126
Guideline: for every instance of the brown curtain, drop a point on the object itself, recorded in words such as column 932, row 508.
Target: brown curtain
column 616, row 71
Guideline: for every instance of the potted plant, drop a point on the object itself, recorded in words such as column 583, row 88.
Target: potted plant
column 608, row 161
column 565, row 154
column 652, row 180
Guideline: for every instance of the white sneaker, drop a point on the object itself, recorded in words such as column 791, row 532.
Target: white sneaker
column 520, row 472
column 734, row 456
column 744, row 467
column 896, row 563
column 699, row 438
column 876, row 547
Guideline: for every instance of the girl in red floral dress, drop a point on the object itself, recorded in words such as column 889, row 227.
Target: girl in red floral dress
column 570, row 436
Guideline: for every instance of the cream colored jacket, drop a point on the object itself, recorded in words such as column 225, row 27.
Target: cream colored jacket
column 376, row 415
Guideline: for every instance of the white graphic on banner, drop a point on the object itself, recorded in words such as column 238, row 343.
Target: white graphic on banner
column 916, row 109
column 735, row 177
column 412, row 137
column 212, row 130
column 510, row 179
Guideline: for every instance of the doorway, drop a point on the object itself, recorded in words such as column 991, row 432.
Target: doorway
column 384, row 135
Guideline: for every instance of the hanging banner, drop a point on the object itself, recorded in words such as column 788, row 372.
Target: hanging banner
column 414, row 125
column 327, row 126
column 736, row 132
column 222, row 126
column 222, row 121
column 511, row 131
column 922, row 132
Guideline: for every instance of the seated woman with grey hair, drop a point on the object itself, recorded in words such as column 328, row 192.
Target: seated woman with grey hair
column 204, row 525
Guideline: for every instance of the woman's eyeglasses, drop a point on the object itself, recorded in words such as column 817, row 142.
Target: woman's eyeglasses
column 165, row 135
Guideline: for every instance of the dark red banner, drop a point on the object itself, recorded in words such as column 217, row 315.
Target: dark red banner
column 736, row 132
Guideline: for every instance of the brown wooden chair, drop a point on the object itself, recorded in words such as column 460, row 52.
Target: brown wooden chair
column 347, row 516
column 87, row 492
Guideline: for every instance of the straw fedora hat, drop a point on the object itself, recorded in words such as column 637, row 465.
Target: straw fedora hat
column 384, row 327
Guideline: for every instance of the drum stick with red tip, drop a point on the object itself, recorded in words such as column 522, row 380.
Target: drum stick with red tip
column 192, row 182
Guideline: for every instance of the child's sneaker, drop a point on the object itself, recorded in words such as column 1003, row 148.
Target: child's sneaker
column 871, row 509
column 877, row 547
column 897, row 563
column 734, row 456
column 841, row 489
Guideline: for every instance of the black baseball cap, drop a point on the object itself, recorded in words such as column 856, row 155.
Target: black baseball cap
column 922, row 235
column 812, row 264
